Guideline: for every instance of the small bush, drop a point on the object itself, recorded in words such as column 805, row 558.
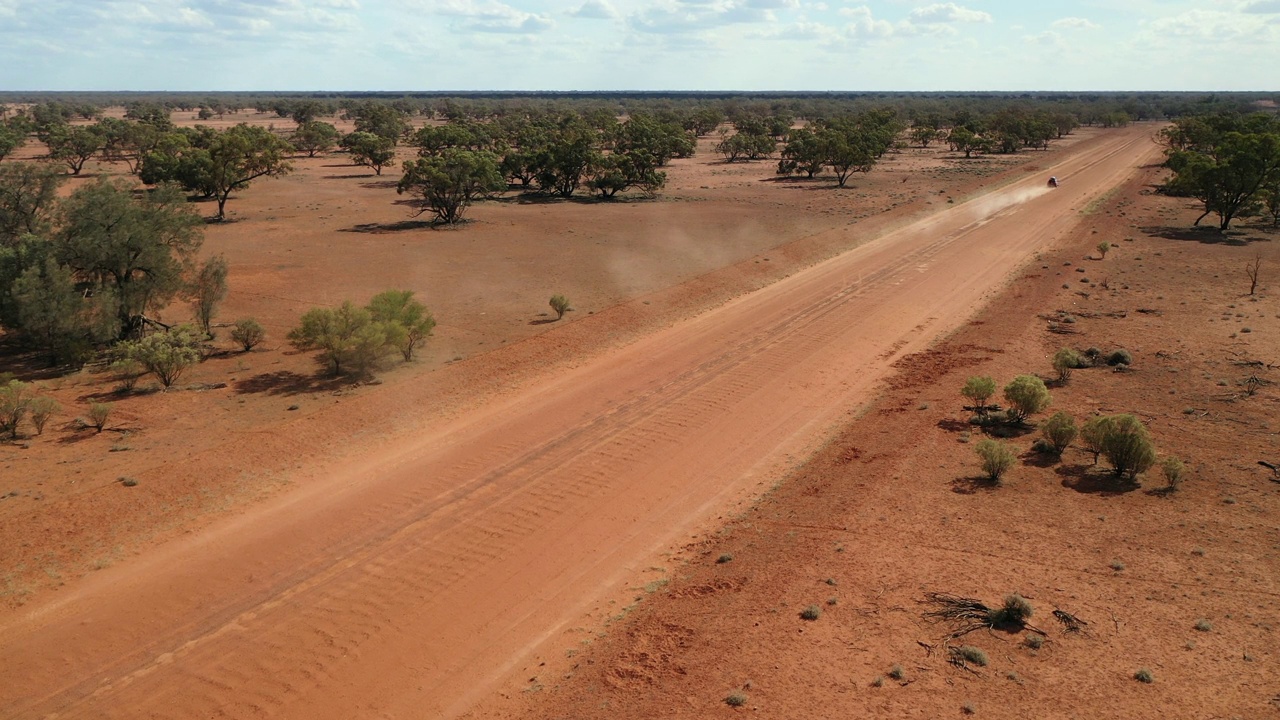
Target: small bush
column 14, row 404
column 1066, row 360
column 736, row 699
column 1094, row 433
column 1172, row 468
column 1127, row 446
column 1093, row 355
column 979, row 389
column 995, row 457
column 1144, row 676
column 127, row 372
column 1026, row 395
column 1119, row 357
column 1116, row 565
column 128, row 482
column 98, row 415
column 724, row 559
column 1060, row 430
column 1203, row 625
column 1103, row 248
column 970, row 654
column 560, row 304
column 968, row 709
column 878, row 682
column 248, row 333
column 1044, row 447
column 1014, row 612
column 1035, row 641
column 897, row 673
column 813, row 612
column 42, row 408
column 166, row 355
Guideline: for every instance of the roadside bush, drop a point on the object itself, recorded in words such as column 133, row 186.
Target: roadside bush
column 1060, row 430
column 248, row 333
column 560, row 304
column 408, row 321
column 1127, row 446
column 1119, row 357
column 1172, row 468
column 347, row 337
column 14, row 404
column 979, row 389
column 98, row 415
column 1026, row 395
column 166, row 355
column 43, row 408
column 996, row 458
column 1066, row 360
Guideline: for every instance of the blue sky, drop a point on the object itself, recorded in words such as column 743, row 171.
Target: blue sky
column 639, row 44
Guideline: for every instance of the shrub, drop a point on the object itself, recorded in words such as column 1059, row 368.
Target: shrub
column 1060, row 431
column 166, row 355
column 1014, row 612
column 42, row 408
column 127, row 371
column 736, row 699
column 1103, row 248
column 1093, row 355
column 1127, row 446
column 897, row 673
column 1026, row 395
column 979, row 389
column 1094, row 433
column 813, row 612
column 724, row 559
column 1119, row 357
column 1172, row 468
column 996, row 458
column 408, row 321
column 1203, row 625
column 970, row 654
column 14, row 404
column 560, row 304
column 1066, row 360
column 98, row 414
column 1035, row 641
column 248, row 333
column 348, row 338
column 207, row 290
column 1144, row 676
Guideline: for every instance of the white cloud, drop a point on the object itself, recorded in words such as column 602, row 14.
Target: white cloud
column 1075, row 23
column 863, row 24
column 596, row 10
column 1261, row 7
column 939, row 13
column 491, row 16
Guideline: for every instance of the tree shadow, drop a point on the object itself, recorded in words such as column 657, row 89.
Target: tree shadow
column 287, row 382
column 383, row 228
column 1038, row 459
column 27, row 364
column 544, row 321
column 953, row 425
column 973, row 485
column 1091, row 480
column 381, row 184
column 350, row 177
column 1203, row 235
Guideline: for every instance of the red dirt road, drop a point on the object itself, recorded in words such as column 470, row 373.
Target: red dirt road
column 408, row 586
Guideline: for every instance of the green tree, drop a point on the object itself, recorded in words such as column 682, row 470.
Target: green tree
column 746, row 146
column 1224, row 162
column 397, row 307
column 57, row 316
column 448, row 183
column 380, row 119
column 167, row 355
column 371, row 150
column 1060, row 430
column 1066, row 360
column 74, row 144
column 1026, row 395
column 560, row 304
column 567, row 158
column 28, row 193
column 314, row 137
column 348, row 338
column 979, row 389
column 1094, row 434
column 207, row 289
column 249, row 333
column 242, row 154
column 10, row 139
column 995, row 457
column 803, row 152
column 1127, row 446
column 135, row 249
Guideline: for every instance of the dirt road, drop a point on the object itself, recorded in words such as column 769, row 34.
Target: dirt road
column 406, row 587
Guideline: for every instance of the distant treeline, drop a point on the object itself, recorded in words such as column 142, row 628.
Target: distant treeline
column 1090, row 108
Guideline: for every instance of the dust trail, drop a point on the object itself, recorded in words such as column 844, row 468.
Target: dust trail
column 989, row 205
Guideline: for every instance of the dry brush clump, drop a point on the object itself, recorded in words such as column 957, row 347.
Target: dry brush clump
column 968, row 614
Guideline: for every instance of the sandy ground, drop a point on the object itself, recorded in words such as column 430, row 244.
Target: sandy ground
column 1186, row 585
column 405, row 583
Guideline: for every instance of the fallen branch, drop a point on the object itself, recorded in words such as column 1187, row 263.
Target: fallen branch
column 1072, row 623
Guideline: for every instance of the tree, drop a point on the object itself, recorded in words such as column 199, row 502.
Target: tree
column 1224, row 162
column 347, row 337
column 803, row 152
column 567, row 157
column 746, row 146
column 1127, row 446
column 15, row 401
column 1254, row 270
column 207, row 289
column 10, row 139
column 962, row 139
column 42, row 408
column 560, row 304
column 448, row 183
column 924, row 134
column 242, row 154
column 166, row 355
column 371, row 150
column 57, row 316
column 315, row 137
column 399, row 308
column 74, row 144
column 1060, row 430
column 249, row 333
column 979, row 389
column 995, row 457
column 136, row 250
column 1066, row 360
column 28, row 193
column 379, row 119
column 1094, row 433
column 847, row 150
column 1026, row 395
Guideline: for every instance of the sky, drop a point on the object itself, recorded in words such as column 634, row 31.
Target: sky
column 639, row 45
